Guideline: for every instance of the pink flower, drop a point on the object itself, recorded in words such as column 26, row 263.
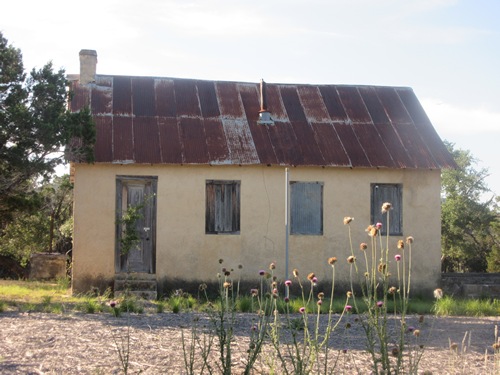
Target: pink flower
column 288, row 282
column 262, row 272
column 380, row 304
column 397, row 257
column 287, row 300
column 314, row 280
column 348, row 308
column 378, row 225
column 302, row 310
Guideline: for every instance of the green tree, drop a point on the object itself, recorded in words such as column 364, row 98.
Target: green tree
column 47, row 229
column 35, row 125
column 494, row 256
column 467, row 222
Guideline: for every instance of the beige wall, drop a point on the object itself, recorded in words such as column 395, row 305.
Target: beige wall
column 184, row 251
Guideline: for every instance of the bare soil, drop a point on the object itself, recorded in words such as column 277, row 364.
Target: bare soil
column 41, row 343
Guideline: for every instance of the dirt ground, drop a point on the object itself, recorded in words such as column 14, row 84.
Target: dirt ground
column 39, row 343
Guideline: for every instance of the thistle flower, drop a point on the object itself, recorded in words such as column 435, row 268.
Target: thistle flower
column 397, row 257
column 454, row 346
column 351, row 259
column 321, row 295
column 349, row 294
column 287, row 299
column 416, row 333
column 348, row 308
column 382, row 267
column 112, row 304
column 496, row 346
column 272, row 266
column 395, row 351
column 348, row 325
column 274, row 284
column 254, row 292
column 411, row 329
column 314, row 280
column 372, row 230
column 363, row 246
column 288, row 282
column 226, row 285
column 438, row 293
column 380, row 304
column 295, row 272
column 319, row 302
column 262, row 272
column 227, row 273
column 302, row 310
column 401, row 244
column 221, row 260
column 347, row 220
column 386, row 207
column 275, row 291
column 332, row 261
column 392, row 290
column 378, row 225
column 311, row 276
column 409, row 240
column 202, row 287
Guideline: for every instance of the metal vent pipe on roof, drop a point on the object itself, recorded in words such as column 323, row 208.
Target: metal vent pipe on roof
column 263, row 96
column 264, row 115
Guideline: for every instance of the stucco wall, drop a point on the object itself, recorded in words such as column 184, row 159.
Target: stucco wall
column 185, row 252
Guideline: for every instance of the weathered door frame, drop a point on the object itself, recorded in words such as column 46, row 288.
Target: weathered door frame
column 148, row 233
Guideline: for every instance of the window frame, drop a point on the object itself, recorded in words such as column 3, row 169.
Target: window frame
column 296, row 220
column 216, row 222
column 393, row 194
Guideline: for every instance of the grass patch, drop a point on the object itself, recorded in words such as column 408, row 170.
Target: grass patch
column 55, row 297
column 448, row 306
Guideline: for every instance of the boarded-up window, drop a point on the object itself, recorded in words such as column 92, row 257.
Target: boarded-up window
column 223, row 207
column 391, row 193
column 306, row 208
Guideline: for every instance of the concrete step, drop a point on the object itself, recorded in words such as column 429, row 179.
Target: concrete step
column 143, row 285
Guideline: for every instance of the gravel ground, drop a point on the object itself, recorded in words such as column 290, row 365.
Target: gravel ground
column 39, row 343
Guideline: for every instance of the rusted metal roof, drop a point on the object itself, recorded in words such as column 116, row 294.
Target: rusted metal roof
column 185, row 121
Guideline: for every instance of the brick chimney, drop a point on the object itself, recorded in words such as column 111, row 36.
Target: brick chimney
column 88, row 62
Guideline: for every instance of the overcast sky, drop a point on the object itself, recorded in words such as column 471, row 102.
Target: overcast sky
column 448, row 51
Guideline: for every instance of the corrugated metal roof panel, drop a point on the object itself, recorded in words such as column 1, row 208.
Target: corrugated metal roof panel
column 146, row 140
column 165, row 98
column 186, row 98
column 176, row 121
column 103, row 145
column 229, row 100
column 208, row 99
column 216, row 142
column 170, row 143
column 193, row 139
column 123, row 139
column 143, row 97
column 329, row 145
column 122, row 96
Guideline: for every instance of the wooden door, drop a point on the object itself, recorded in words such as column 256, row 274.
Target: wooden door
column 140, row 193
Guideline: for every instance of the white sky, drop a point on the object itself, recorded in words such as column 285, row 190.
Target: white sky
column 448, row 51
